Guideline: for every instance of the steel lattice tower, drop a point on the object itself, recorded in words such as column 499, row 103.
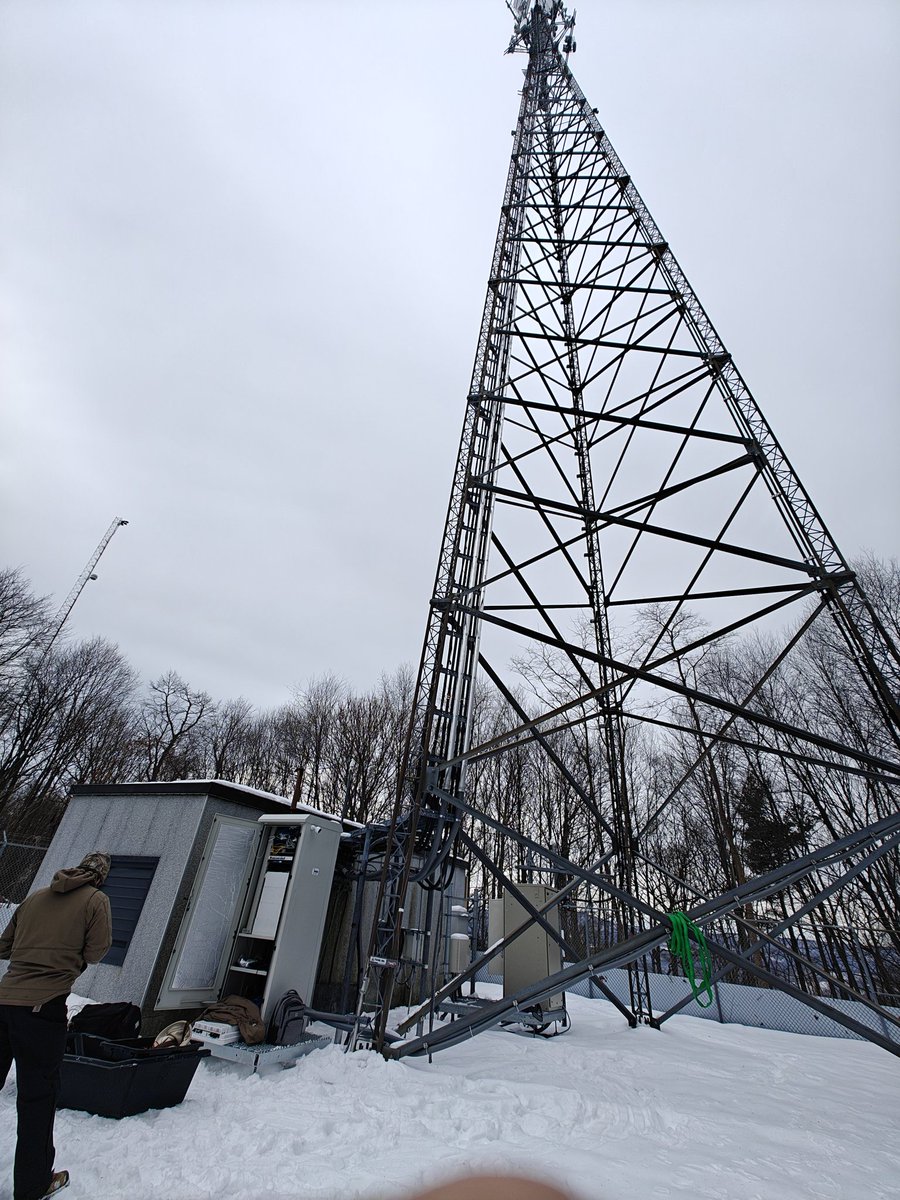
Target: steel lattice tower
column 614, row 467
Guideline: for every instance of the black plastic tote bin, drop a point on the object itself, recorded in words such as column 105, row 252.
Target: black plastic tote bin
column 119, row 1079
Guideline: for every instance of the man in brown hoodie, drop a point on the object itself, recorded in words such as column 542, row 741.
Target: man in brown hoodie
column 51, row 938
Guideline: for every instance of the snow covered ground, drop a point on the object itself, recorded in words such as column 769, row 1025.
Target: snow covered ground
column 695, row 1110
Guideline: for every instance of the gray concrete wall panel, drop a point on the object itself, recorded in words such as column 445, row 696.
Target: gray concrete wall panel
column 163, row 827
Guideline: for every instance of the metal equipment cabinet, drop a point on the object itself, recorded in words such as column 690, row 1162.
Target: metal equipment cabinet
column 534, row 954
column 256, row 915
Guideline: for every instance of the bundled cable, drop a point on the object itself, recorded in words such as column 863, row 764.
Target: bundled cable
column 680, row 947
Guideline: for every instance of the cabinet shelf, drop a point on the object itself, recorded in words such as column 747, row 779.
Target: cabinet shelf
column 249, row 971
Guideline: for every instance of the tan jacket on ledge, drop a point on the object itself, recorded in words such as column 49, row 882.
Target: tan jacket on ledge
column 52, row 937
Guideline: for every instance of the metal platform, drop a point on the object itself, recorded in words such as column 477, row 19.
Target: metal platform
column 264, row 1054
column 537, row 1020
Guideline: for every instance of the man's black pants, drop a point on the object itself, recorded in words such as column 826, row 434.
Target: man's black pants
column 37, row 1043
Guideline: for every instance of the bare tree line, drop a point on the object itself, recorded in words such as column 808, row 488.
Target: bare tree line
column 709, row 814
column 76, row 714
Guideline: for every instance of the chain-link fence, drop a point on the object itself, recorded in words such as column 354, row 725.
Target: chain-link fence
column 19, row 864
column 840, row 966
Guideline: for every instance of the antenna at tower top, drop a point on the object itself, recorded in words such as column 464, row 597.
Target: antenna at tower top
column 553, row 17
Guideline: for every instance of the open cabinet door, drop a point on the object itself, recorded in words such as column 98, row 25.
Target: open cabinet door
column 202, row 949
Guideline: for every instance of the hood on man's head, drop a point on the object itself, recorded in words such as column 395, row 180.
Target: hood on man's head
column 93, row 869
column 97, row 863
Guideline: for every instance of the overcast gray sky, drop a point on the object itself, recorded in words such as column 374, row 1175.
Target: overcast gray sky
column 244, row 248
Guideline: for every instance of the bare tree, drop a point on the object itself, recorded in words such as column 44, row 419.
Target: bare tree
column 24, row 619
column 72, row 707
column 227, row 733
column 169, row 722
column 317, row 705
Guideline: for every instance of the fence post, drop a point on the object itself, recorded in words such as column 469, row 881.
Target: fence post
column 19, row 863
column 867, row 975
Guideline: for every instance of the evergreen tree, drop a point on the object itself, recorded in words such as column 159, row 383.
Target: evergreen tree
column 769, row 838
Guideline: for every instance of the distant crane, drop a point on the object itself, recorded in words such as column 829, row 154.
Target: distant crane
column 45, row 643
column 62, row 614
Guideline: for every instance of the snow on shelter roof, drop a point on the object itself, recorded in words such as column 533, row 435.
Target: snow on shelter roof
column 223, row 788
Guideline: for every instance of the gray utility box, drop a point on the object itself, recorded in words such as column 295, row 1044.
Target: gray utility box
column 256, row 914
column 534, row 954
